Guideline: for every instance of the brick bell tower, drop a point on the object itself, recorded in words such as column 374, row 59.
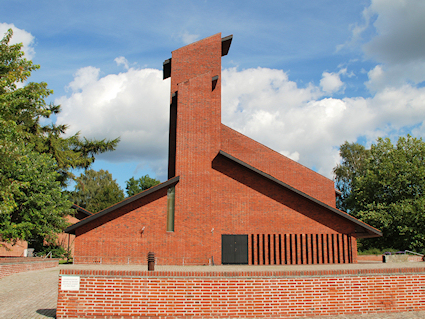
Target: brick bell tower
column 194, row 136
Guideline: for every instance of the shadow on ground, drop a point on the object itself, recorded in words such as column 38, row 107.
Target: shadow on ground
column 49, row 313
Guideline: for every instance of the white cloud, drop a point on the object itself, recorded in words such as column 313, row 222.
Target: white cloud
column 20, row 36
column 297, row 122
column 83, row 78
column 122, row 61
column 331, row 83
column 260, row 103
column 133, row 106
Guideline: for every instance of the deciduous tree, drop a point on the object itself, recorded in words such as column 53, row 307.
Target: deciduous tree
column 353, row 163
column 387, row 192
column 96, row 190
column 135, row 186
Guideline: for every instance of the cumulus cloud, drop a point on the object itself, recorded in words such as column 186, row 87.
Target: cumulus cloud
column 393, row 33
column 20, row 36
column 264, row 104
column 400, row 28
column 133, row 106
column 299, row 123
column 331, row 82
column 83, row 78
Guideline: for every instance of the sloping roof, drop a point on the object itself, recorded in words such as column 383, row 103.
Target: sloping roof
column 71, row 229
column 363, row 230
column 81, row 210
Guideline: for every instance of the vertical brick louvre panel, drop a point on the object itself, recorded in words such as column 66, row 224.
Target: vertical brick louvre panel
column 266, row 294
column 275, row 248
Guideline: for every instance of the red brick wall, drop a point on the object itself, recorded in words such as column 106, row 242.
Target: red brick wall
column 16, row 250
column 267, row 294
column 371, row 258
column 127, row 234
column 197, row 143
column 378, row 258
column 196, row 59
column 10, row 266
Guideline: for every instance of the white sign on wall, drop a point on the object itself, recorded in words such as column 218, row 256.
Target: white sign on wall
column 70, row 283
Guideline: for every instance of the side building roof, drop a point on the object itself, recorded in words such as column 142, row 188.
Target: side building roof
column 71, row 229
column 81, row 210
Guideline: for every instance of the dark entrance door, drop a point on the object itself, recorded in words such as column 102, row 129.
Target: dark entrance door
column 234, row 249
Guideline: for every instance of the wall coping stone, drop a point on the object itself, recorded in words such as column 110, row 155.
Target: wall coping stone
column 244, row 274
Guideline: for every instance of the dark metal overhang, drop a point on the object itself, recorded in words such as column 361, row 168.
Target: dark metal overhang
column 363, row 230
column 71, row 229
column 166, row 69
column 225, row 44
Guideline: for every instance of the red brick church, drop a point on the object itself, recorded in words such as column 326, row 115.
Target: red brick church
column 228, row 199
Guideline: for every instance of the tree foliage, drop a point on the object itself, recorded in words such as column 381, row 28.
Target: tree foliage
column 353, row 163
column 96, row 190
column 135, row 186
column 26, row 106
column 35, row 158
column 32, row 204
column 36, row 204
column 386, row 190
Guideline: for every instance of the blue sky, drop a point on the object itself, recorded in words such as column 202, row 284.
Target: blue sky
column 301, row 77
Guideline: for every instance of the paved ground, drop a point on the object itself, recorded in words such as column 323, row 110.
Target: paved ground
column 34, row 294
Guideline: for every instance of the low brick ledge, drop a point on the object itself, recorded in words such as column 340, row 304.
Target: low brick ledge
column 291, row 273
column 15, row 267
column 26, row 260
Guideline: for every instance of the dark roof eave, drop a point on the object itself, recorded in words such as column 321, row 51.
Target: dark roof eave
column 71, row 229
column 81, row 210
column 368, row 231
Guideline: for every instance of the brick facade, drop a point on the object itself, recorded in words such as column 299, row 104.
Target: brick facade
column 16, row 250
column 261, row 294
column 224, row 183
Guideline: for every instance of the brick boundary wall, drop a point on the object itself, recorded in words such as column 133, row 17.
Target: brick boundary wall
column 10, row 266
column 378, row 258
column 374, row 258
column 256, row 294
